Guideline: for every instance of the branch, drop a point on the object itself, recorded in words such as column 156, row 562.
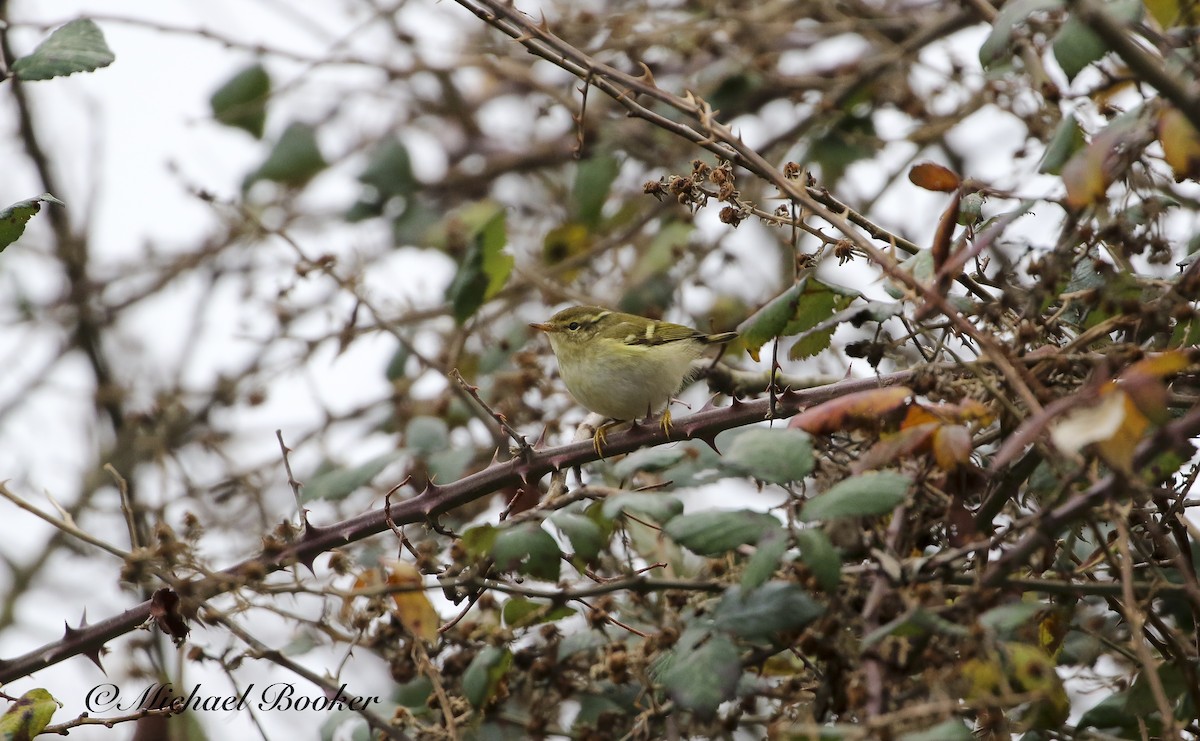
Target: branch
column 1139, row 60
column 434, row 501
column 1173, row 437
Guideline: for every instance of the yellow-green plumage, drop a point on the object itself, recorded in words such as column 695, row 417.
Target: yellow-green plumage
column 623, row 366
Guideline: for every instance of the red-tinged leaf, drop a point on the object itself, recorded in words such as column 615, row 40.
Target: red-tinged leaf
column 1089, row 172
column 918, row 414
column 934, row 177
column 952, row 446
column 1144, row 383
column 968, row 410
column 964, row 412
column 1180, row 143
column 852, row 411
column 1086, row 177
column 901, row 445
column 1148, row 398
column 943, row 239
column 960, row 523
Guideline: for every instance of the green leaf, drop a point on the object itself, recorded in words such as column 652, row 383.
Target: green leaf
column 413, row 693
column 528, row 549
column 951, row 730
column 294, row 159
column 1076, row 45
column 522, row 612
column 242, row 101
column 997, row 46
column 851, row 139
column 584, row 641
column 26, row 717
column 483, row 675
column 587, row 537
column 1109, row 713
column 921, row 267
column 821, row 558
column 485, row 267
column 620, row 700
column 760, row 566
column 478, row 541
column 340, row 725
column 820, row 302
column 78, row 46
column 648, row 460
column 425, row 435
column 866, row 495
column 1140, row 700
column 777, row 456
column 712, row 533
column 389, row 170
column 690, row 463
column 1006, row 620
column 761, row 613
column 662, row 253
column 916, row 622
column 799, row 309
column 769, row 322
column 701, row 671
column 14, row 218
column 340, row 483
column 1068, row 139
column 395, row 366
column 449, row 464
column 593, row 181
column 657, row 507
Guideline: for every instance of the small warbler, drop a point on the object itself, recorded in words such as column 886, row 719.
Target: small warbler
column 623, row 366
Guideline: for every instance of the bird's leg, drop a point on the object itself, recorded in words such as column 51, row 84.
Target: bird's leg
column 600, row 439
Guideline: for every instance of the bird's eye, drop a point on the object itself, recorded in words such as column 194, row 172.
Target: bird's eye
column 573, row 326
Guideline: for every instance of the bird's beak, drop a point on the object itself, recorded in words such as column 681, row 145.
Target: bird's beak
column 543, row 327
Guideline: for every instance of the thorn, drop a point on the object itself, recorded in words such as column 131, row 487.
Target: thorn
column 94, row 654
column 307, row 562
column 710, row 404
column 70, row 633
column 431, row 490
column 541, row 441
column 311, row 531
column 710, row 441
column 495, row 457
column 735, row 401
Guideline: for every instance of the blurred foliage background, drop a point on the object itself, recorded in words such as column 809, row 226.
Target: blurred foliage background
column 953, row 501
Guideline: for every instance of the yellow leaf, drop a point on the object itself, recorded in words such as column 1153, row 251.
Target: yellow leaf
column 1083, row 426
column 1180, row 143
column 28, row 715
column 952, row 447
column 413, row 609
